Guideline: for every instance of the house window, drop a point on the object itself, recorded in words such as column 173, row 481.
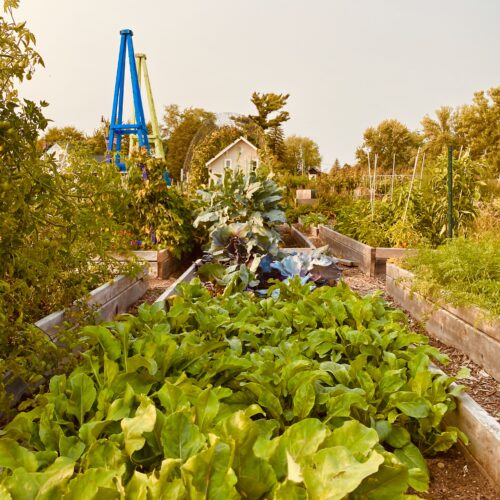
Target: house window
column 253, row 164
column 227, row 163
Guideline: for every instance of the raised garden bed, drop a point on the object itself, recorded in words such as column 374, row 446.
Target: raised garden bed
column 160, row 263
column 371, row 260
column 469, row 331
column 107, row 301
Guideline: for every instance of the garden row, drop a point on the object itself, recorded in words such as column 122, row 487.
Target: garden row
column 257, row 369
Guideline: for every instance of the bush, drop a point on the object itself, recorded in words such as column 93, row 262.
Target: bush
column 159, row 216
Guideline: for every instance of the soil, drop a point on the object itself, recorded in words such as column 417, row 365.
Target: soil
column 156, row 288
column 289, row 241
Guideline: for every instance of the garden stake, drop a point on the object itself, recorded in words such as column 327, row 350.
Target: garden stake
column 450, row 192
column 393, row 169
column 411, row 185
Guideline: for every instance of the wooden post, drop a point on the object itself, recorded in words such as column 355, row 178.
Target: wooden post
column 393, row 170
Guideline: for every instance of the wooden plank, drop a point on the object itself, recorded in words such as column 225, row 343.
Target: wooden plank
column 483, row 432
column 302, row 237
column 106, row 292
column 186, row 277
column 99, row 297
column 390, row 253
column 121, row 302
column 348, row 248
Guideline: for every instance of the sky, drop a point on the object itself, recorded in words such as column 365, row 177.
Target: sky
column 347, row 64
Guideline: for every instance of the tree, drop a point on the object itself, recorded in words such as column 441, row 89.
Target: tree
column 388, row 138
column 477, row 126
column 336, row 164
column 301, row 154
column 172, row 117
column 97, row 143
column 263, row 125
column 181, row 136
column 63, row 136
column 439, row 133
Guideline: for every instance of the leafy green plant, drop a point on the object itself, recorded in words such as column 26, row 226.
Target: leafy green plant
column 310, row 393
column 246, row 207
column 159, row 216
column 313, row 220
column 461, row 272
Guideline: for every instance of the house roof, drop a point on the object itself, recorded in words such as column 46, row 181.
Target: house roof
column 229, row 147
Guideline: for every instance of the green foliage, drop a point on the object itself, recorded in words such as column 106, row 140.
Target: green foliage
column 430, row 200
column 312, row 393
column 301, row 154
column 389, row 138
column 477, row 128
column 182, row 128
column 461, row 272
column 57, row 228
column 265, row 130
column 313, row 220
column 241, row 214
column 63, row 136
column 159, row 216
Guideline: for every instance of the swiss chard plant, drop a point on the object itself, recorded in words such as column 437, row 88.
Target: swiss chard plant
column 313, row 394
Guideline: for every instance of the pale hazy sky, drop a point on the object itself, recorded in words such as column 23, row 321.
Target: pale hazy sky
column 347, row 64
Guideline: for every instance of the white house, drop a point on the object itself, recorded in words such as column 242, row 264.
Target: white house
column 240, row 155
column 60, row 154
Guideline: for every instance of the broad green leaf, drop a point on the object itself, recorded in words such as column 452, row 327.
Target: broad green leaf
column 288, row 490
column 206, row 407
column 398, row 437
column 357, row 438
column 71, row 446
column 134, row 428
column 137, row 487
column 208, row 474
column 105, row 454
column 110, row 344
column 303, row 400
column 417, row 467
column 45, row 485
column 180, row 437
column 419, row 408
column 172, row 398
column 86, row 485
column 266, row 398
column 335, row 472
column 340, row 406
column 388, row 483
column 12, row 456
column 304, row 438
column 255, row 474
column 83, row 396
column 391, row 381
